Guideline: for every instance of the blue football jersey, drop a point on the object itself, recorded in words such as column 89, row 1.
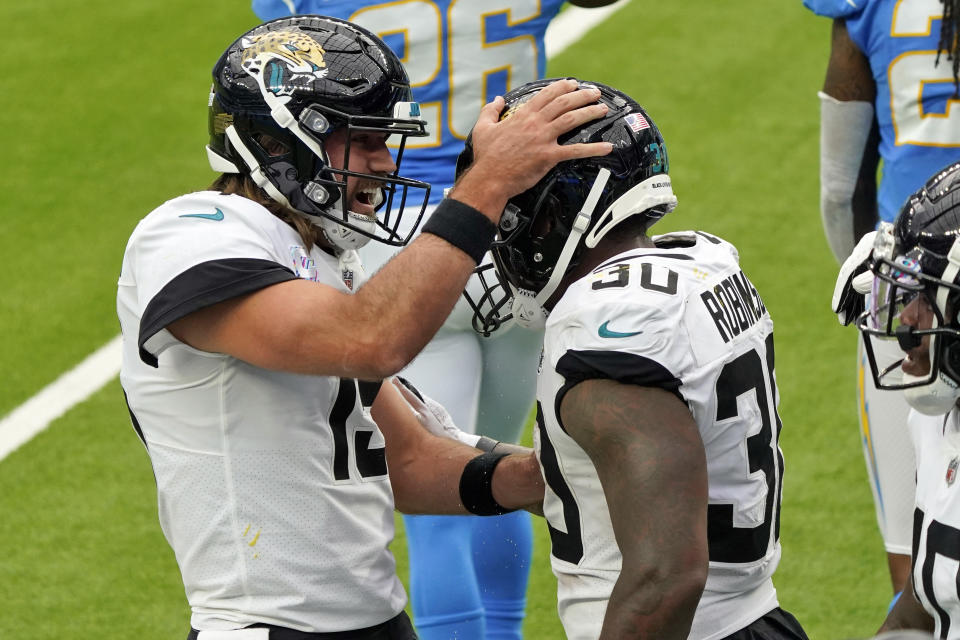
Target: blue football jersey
column 459, row 55
column 918, row 117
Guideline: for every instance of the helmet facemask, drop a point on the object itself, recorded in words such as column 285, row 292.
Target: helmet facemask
column 531, row 254
column 910, row 323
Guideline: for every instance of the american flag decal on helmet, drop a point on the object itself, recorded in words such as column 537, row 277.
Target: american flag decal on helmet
column 636, row 122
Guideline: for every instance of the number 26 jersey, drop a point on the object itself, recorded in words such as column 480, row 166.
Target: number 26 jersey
column 681, row 316
column 459, row 54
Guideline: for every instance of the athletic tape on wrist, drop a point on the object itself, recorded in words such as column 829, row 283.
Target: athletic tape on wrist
column 462, row 226
column 487, row 444
column 476, row 485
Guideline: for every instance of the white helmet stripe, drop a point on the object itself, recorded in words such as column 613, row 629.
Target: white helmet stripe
column 528, row 310
column 653, row 191
column 255, row 171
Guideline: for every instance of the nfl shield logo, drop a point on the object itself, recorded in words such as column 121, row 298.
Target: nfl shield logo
column 952, row 470
column 347, row 275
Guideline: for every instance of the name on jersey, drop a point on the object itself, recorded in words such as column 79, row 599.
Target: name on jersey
column 734, row 305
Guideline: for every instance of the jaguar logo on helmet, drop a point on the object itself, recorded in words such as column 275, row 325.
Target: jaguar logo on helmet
column 282, row 58
column 516, row 106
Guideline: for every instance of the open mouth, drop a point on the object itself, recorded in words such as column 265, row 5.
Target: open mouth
column 367, row 199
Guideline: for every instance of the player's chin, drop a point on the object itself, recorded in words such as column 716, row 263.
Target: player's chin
column 361, row 209
column 916, row 365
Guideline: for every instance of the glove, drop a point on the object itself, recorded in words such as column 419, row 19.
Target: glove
column 854, row 281
column 432, row 415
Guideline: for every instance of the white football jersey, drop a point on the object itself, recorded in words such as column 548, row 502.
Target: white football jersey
column 681, row 316
column 936, row 519
column 272, row 487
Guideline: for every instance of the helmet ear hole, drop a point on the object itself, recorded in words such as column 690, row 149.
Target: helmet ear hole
column 271, row 146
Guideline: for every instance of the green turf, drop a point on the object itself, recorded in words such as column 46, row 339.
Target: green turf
column 104, row 118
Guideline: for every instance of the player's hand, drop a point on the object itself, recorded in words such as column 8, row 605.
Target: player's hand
column 854, row 281
column 512, row 154
column 432, row 415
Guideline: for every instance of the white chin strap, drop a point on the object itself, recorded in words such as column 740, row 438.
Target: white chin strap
column 934, row 399
column 527, row 307
column 345, row 238
column 938, row 397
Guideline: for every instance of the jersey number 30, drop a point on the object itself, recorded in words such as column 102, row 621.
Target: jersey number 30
column 728, row 541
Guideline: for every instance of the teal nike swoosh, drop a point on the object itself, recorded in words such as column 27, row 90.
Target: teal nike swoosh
column 605, row 332
column 206, row 216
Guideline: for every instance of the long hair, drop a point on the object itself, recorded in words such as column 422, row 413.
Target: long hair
column 950, row 39
column 243, row 185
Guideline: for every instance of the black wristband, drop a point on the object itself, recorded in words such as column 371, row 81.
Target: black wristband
column 462, row 226
column 476, row 485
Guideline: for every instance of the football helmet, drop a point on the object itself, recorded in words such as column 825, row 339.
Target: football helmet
column 545, row 230
column 915, row 297
column 295, row 80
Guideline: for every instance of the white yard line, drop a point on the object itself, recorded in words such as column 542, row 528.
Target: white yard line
column 70, row 389
column 101, row 366
column 573, row 22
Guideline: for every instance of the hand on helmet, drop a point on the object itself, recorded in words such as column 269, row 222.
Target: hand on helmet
column 432, row 415
column 854, row 281
column 525, row 140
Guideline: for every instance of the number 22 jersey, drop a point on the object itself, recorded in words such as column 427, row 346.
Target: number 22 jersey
column 917, row 114
column 681, row 316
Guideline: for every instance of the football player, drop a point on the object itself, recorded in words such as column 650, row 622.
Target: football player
column 468, row 576
column 657, row 425
column 252, row 360
column 913, row 304
column 890, row 83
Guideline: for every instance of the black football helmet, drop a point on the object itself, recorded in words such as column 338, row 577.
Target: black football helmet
column 918, row 256
column 544, row 231
column 296, row 80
